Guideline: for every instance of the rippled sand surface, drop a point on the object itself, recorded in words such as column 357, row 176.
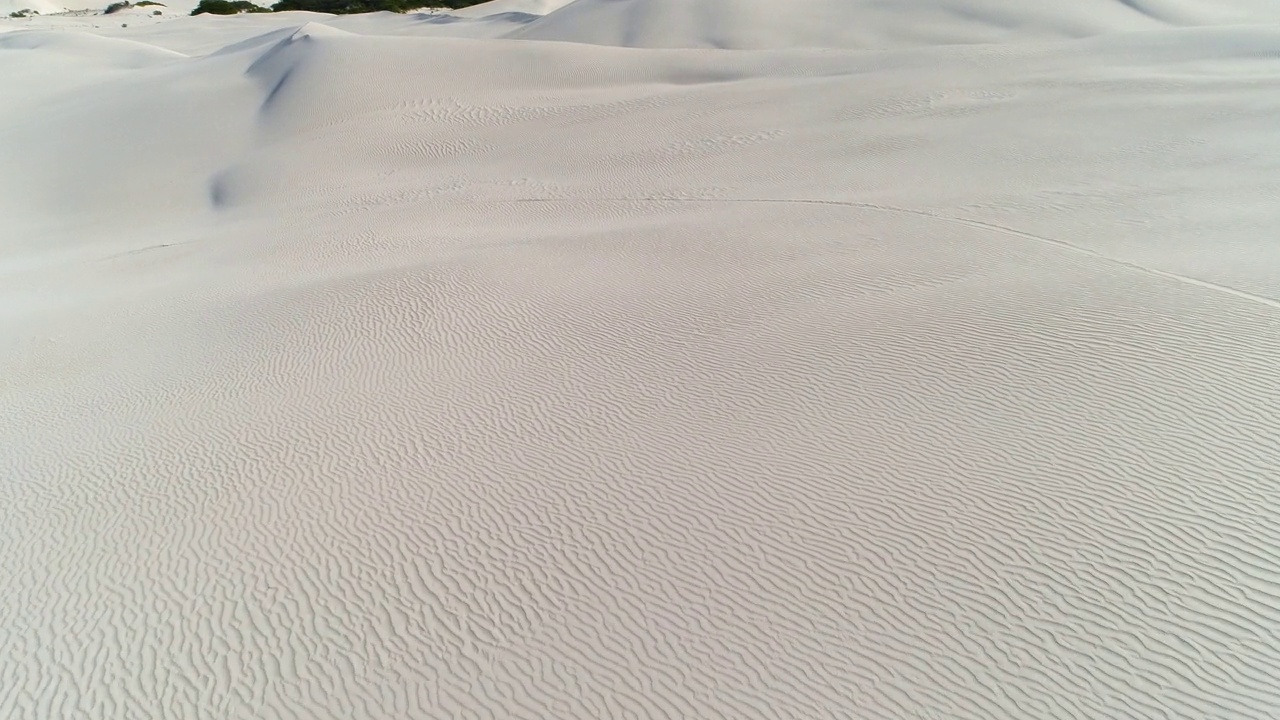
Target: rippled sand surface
column 837, row 361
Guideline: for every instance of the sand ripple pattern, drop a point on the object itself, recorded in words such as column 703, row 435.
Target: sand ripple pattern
column 533, row 380
column 667, row 474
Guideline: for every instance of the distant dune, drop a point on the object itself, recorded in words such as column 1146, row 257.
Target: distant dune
column 911, row 360
column 875, row 24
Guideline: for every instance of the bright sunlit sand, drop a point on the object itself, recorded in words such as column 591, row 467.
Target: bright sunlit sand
column 856, row 359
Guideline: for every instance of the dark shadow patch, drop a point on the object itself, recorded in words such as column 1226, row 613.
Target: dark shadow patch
column 219, row 191
column 274, row 94
column 446, row 19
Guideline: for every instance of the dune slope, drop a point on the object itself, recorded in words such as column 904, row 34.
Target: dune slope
column 352, row 371
column 873, row 24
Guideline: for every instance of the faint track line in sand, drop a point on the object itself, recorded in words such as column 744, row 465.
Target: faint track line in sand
column 979, row 224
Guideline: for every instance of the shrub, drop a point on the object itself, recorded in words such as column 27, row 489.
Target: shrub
column 227, row 7
column 116, row 7
column 144, row 3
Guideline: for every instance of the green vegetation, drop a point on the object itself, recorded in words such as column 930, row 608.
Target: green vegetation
column 452, row 4
column 27, row 12
column 227, row 7
column 116, row 7
column 346, row 7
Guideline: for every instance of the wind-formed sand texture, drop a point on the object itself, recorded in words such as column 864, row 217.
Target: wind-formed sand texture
column 909, row 360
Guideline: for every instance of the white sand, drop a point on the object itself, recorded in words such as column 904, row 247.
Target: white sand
column 350, row 370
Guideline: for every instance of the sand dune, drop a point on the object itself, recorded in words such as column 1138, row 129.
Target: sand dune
column 503, row 7
column 763, row 24
column 48, row 7
column 353, row 370
column 40, row 6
